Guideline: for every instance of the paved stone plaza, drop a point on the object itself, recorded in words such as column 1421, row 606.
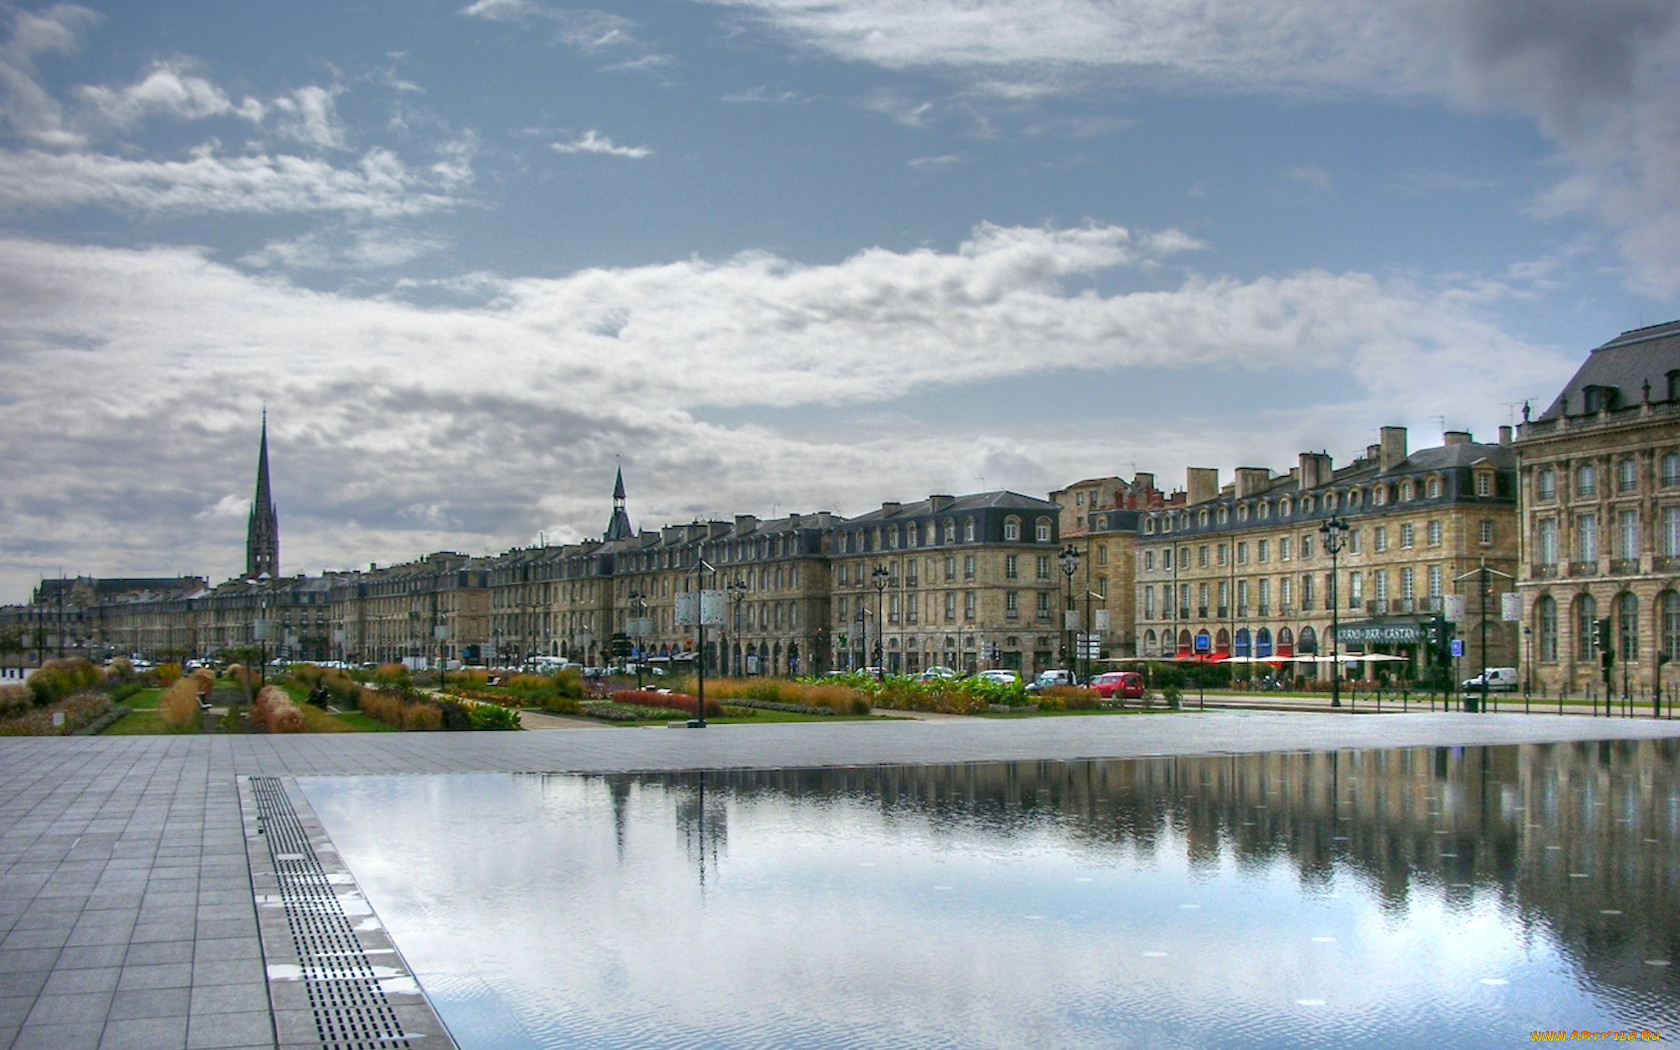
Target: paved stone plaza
column 130, row 869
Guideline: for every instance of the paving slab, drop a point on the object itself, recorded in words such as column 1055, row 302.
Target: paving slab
column 128, row 907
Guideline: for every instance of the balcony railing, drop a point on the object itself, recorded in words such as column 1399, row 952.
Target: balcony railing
column 1543, row 572
column 1624, row 566
column 1224, row 612
column 1184, row 612
column 1201, row 612
column 1583, row 568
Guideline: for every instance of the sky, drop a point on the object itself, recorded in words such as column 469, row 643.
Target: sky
column 781, row 255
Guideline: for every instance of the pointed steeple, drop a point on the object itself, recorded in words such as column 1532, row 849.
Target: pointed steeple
column 262, row 532
column 619, row 528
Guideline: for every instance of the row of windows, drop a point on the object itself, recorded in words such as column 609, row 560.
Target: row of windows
column 1405, row 536
column 1587, row 545
column 907, row 608
column 857, row 541
column 1380, row 494
column 1256, row 595
column 1624, row 613
column 1625, row 475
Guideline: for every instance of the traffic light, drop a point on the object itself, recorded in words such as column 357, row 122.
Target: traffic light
column 1601, row 632
column 620, row 645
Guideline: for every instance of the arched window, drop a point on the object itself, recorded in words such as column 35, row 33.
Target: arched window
column 1242, row 512
column 1222, row 642
column 1202, row 519
column 1263, row 642
column 1283, row 508
column 1309, row 642
column 1224, row 515
column 1546, row 626
column 1012, row 529
column 1285, row 642
column 1184, row 642
column 1264, row 510
column 1627, row 627
column 1306, row 504
column 892, row 537
column 910, row 535
column 1149, row 643
column 1379, row 494
column 968, row 530
column 1668, row 606
column 1586, row 619
column 1043, row 530
column 950, row 531
column 1242, row 642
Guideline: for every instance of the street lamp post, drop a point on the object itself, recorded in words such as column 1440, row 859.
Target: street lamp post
column 1334, row 532
column 638, row 610
column 1070, row 564
column 737, row 594
column 879, row 576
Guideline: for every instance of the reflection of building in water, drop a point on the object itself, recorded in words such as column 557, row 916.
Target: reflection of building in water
column 1581, row 839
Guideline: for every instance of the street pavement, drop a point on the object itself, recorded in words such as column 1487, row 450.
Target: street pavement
column 139, row 880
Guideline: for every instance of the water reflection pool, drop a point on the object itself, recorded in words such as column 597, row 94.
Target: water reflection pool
column 1427, row 897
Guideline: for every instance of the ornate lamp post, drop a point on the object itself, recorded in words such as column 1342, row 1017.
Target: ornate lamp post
column 1070, row 565
column 878, row 576
column 1334, row 532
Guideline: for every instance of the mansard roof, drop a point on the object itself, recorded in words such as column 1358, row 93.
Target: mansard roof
column 1624, row 365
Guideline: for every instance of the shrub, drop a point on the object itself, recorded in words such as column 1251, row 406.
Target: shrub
column 568, row 684
column 79, row 710
column 381, row 707
column 1071, row 698
column 558, row 704
column 841, row 699
column 15, row 701
column 422, row 717
column 57, row 679
column 393, row 676
column 168, row 674
column 275, row 711
column 178, row 706
column 494, row 717
column 120, row 668
column 455, row 715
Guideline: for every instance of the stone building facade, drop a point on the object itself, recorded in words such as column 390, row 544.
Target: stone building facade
column 1600, row 475
column 1242, row 571
column 945, row 581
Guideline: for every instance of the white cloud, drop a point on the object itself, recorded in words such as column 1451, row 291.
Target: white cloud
column 355, row 250
column 229, row 507
column 169, row 91
column 762, row 93
column 595, row 142
column 583, row 30
column 1598, row 78
column 32, row 112
column 1317, row 178
column 309, row 116
column 377, row 185
column 926, row 164
column 399, row 429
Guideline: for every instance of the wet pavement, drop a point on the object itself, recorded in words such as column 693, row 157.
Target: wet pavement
column 128, row 916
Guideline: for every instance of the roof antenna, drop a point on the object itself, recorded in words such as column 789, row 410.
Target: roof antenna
column 1442, row 421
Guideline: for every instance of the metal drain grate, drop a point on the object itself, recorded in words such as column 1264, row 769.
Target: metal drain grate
column 350, row 1007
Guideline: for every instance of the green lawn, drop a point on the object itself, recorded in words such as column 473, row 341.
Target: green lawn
column 142, row 718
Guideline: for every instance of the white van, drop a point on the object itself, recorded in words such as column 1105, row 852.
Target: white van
column 1499, row 679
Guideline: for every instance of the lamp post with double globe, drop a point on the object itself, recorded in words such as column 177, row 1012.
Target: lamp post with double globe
column 879, row 576
column 1070, row 565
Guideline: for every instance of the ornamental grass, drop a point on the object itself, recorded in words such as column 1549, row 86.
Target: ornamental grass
column 178, row 706
column 667, row 701
column 275, row 712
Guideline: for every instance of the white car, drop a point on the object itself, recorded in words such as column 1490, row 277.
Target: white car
column 1000, row 674
column 1499, row 679
column 936, row 674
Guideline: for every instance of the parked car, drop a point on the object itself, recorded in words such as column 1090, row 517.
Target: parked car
column 1000, row 674
column 1499, row 679
column 936, row 674
column 1048, row 679
column 1127, row 685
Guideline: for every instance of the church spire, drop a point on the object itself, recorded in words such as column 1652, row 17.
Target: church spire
column 619, row 528
column 262, row 533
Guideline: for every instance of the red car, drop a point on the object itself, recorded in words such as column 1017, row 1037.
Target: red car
column 1128, row 685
